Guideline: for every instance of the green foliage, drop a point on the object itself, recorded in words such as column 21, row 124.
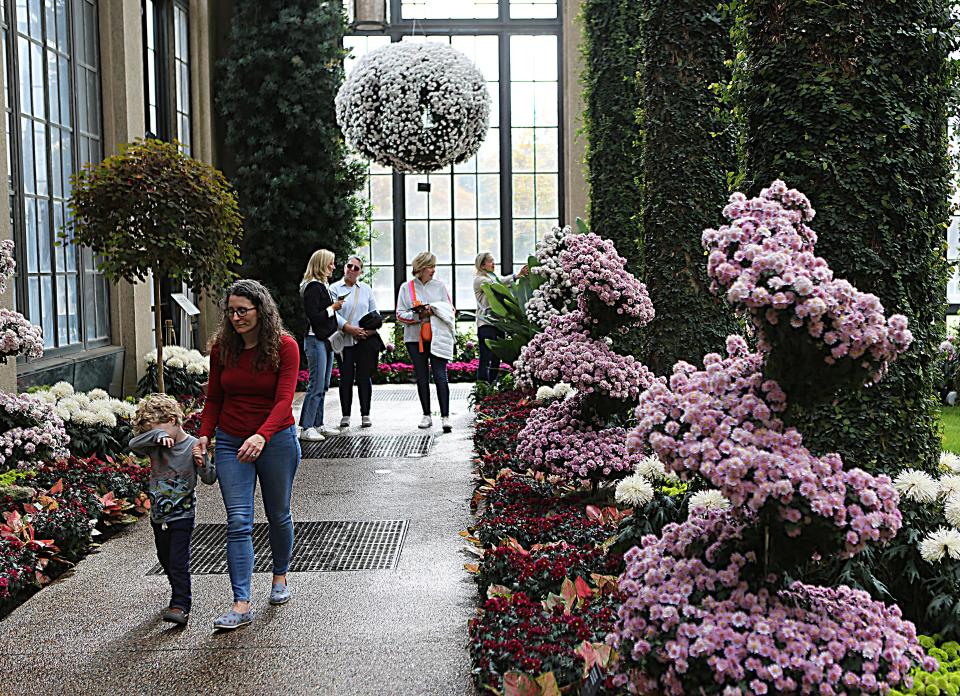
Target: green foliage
column 612, row 93
column 152, row 208
column 847, row 102
column 297, row 188
column 177, row 381
column 950, row 418
column 507, row 312
column 688, row 149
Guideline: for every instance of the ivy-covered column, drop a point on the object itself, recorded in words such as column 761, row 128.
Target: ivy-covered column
column 847, row 101
column 611, row 58
column 688, row 149
column 296, row 188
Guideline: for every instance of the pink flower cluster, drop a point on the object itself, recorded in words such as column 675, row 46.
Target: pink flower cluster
column 701, row 619
column 31, row 432
column 594, row 267
column 764, row 260
column 557, row 440
column 721, row 423
column 18, row 336
column 7, row 263
column 565, row 352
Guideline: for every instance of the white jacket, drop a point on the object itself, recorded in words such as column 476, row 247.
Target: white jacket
column 444, row 328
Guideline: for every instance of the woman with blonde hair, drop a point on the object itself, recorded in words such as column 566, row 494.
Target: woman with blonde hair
column 321, row 308
column 489, row 367
column 249, row 408
column 426, row 311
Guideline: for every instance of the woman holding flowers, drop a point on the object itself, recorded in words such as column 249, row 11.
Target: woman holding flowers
column 249, row 410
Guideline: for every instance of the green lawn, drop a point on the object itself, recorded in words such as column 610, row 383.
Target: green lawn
column 951, row 428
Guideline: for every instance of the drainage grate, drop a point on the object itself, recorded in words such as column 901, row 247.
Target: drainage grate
column 361, row 447
column 328, row 546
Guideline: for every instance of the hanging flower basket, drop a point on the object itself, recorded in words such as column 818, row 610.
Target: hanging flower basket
column 414, row 107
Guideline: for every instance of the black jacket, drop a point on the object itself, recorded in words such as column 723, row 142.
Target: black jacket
column 316, row 299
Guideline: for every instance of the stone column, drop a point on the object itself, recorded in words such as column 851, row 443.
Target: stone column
column 121, row 56
column 574, row 144
column 8, row 372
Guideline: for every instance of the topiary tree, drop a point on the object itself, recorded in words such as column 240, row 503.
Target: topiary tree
column 848, row 102
column 687, row 151
column 152, row 209
column 298, row 190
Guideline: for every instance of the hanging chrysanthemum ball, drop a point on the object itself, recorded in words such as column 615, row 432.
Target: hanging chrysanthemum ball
column 414, row 107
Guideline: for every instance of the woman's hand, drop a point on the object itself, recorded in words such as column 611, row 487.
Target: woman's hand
column 525, row 270
column 337, row 306
column 200, row 450
column 427, row 311
column 355, row 331
column 251, row 448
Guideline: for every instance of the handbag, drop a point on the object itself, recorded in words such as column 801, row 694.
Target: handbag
column 426, row 330
column 337, row 338
column 371, row 321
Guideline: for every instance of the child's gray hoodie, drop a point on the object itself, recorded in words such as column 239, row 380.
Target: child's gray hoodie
column 173, row 475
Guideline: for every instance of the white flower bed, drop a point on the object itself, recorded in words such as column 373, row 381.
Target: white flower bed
column 414, row 107
column 94, row 408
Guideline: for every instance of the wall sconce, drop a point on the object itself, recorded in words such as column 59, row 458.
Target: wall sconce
column 369, row 15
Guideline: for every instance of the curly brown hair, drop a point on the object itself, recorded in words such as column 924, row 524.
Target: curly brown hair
column 270, row 328
column 156, row 408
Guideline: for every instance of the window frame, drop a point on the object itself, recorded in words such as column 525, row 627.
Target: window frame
column 18, row 193
column 504, row 28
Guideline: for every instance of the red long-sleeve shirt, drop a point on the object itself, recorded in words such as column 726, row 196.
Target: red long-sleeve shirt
column 243, row 401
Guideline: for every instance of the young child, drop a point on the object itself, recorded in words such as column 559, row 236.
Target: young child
column 173, row 478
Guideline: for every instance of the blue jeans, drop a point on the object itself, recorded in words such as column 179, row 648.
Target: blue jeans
column 489, row 368
column 320, row 363
column 275, row 467
column 173, row 552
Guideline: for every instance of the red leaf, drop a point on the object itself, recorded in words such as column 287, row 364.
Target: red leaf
column 593, row 512
column 583, row 589
column 520, row 684
column 57, row 487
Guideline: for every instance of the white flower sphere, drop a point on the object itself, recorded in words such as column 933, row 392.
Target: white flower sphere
column 416, row 107
column 634, row 490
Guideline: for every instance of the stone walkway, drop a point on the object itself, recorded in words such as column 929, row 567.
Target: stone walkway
column 399, row 631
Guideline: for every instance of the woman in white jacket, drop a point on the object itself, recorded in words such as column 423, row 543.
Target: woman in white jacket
column 426, row 311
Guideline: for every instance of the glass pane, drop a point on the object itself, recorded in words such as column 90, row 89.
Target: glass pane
column 523, row 195
column 466, row 299
column 545, row 103
column 57, row 162
column 465, row 196
column 488, row 158
column 544, row 49
column 488, row 237
column 384, row 293
column 548, row 204
column 416, row 200
column 51, row 23
column 103, row 307
column 33, row 290
column 26, row 88
column 90, row 30
column 445, row 274
column 533, row 9
column 466, row 240
column 521, row 103
column 71, row 253
column 63, row 36
column 22, row 17
column 416, row 239
column 40, row 154
column 62, row 320
column 47, row 309
column 522, row 149
column 953, row 239
column 33, row 263
column 382, row 246
column 29, row 175
column 64, row 91
column 36, row 75
column 524, row 241
column 53, row 87
column 441, row 241
column 449, row 9
column 547, row 150
column 43, row 236
column 72, row 309
column 381, row 197
column 36, row 30
column 488, row 195
column 522, row 58
column 439, row 196
column 483, row 51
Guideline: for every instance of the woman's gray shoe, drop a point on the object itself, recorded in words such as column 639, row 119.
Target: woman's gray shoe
column 279, row 593
column 232, row 619
column 175, row 615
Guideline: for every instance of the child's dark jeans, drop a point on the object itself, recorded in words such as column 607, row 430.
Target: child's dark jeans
column 173, row 551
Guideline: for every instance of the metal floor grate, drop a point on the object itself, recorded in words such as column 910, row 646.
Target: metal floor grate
column 457, row 393
column 367, row 447
column 327, row 546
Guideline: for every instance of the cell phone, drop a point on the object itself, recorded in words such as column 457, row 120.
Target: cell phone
column 343, row 297
column 418, row 308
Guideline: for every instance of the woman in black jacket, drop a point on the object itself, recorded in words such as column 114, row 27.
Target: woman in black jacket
column 321, row 310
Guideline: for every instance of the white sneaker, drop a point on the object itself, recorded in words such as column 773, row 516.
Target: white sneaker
column 345, row 422
column 311, row 435
column 365, row 422
column 326, row 432
column 446, row 424
column 425, row 422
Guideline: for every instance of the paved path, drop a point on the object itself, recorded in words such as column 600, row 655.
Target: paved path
column 399, row 631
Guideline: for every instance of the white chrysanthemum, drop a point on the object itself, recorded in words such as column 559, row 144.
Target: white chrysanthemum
column 951, row 510
column 46, row 395
column 950, row 462
column 63, row 413
column 98, row 395
column 85, row 418
column 939, row 544
column 634, row 490
column 918, row 486
column 62, row 389
column 196, row 368
column 69, row 404
column 82, row 399
column 949, row 485
column 708, row 500
column 151, row 357
column 105, row 418
column 651, row 468
column 562, row 389
column 175, row 363
column 544, row 393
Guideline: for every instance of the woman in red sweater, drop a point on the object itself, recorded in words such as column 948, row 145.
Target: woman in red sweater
column 253, row 375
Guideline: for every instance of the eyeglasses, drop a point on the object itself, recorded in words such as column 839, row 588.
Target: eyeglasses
column 353, row 267
column 239, row 312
